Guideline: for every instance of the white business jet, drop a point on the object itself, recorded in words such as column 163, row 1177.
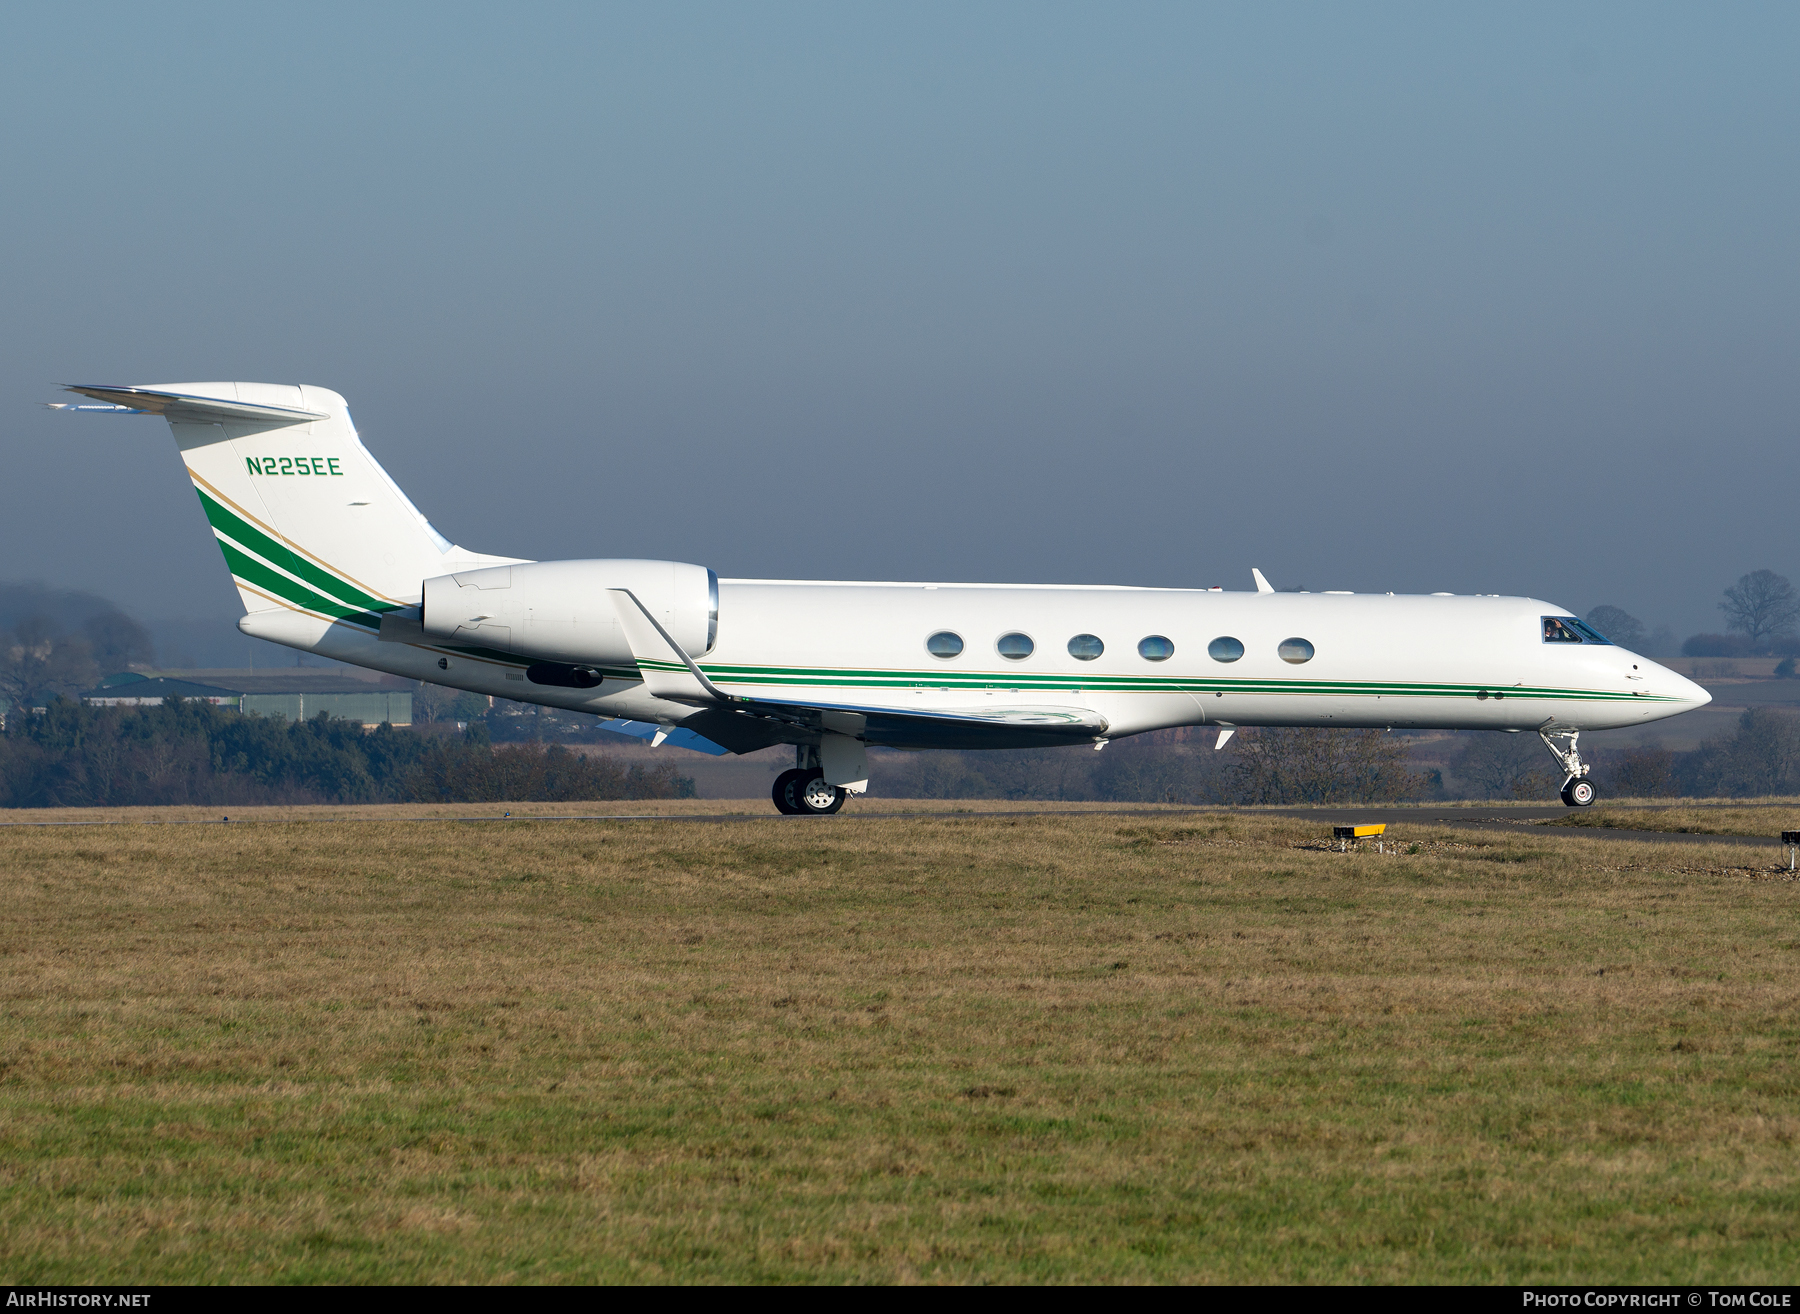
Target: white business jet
column 330, row 557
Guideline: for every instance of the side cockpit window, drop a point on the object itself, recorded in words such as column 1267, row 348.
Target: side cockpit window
column 1566, row 629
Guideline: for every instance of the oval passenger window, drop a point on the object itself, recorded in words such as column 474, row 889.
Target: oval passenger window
column 1015, row 647
column 1085, row 647
column 1295, row 651
column 1155, row 649
column 944, row 644
column 1225, row 649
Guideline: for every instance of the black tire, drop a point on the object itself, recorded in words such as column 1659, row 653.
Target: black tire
column 816, row 798
column 1580, row 793
column 787, row 792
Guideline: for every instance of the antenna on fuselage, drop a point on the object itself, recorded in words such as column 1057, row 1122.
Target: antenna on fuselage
column 1262, row 585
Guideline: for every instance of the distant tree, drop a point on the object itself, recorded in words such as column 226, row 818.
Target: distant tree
column 1661, row 643
column 1761, row 605
column 1644, row 772
column 192, row 752
column 37, row 662
column 1323, row 766
column 1762, row 757
column 436, row 702
column 1715, row 645
column 1494, row 764
column 1618, row 625
column 53, row 641
column 454, row 772
column 117, row 642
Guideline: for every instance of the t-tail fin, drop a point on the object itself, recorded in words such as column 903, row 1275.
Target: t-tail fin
column 306, row 518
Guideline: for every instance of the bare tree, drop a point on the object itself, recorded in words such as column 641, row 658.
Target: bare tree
column 37, row 662
column 1644, row 772
column 1323, row 766
column 1494, row 764
column 1761, row 605
column 1618, row 625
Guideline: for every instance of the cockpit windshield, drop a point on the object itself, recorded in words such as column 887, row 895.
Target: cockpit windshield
column 1567, row 629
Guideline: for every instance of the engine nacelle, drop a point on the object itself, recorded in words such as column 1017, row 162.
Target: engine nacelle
column 560, row 611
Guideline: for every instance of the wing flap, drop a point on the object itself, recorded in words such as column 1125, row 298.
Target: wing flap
column 840, row 717
column 677, row 736
column 968, row 727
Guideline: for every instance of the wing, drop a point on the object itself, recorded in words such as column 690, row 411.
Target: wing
column 680, row 736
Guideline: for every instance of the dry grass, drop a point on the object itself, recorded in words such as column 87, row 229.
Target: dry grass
column 1764, row 820
column 892, row 1049
column 690, row 807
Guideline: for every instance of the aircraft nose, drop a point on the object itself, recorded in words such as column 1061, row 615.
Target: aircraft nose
column 1681, row 687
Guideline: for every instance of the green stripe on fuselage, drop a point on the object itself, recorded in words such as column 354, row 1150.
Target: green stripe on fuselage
column 254, row 572
column 1025, row 683
column 225, row 521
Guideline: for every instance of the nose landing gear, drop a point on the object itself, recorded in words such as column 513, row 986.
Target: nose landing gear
column 1577, row 791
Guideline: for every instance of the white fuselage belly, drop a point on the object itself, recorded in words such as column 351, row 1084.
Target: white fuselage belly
column 1380, row 660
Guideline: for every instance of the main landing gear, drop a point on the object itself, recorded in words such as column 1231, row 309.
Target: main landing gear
column 804, row 792
column 1577, row 791
column 801, row 793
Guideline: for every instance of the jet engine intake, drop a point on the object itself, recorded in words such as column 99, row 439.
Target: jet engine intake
column 560, row 613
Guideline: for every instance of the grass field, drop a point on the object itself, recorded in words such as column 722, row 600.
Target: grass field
column 889, row 1048
column 1763, row 820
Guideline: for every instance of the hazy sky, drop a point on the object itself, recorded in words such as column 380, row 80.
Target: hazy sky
column 1482, row 299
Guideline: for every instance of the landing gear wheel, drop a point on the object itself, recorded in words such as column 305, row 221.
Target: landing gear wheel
column 1580, row 793
column 787, row 792
column 816, row 798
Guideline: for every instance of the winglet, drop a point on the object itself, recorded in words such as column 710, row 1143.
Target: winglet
column 668, row 671
column 1262, row 585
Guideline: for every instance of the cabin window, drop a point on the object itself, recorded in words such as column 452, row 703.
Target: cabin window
column 1155, row 648
column 944, row 644
column 1295, row 651
column 1085, row 647
column 1225, row 649
column 1015, row 647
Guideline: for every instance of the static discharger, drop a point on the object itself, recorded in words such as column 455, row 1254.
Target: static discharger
column 1345, row 834
column 1791, row 838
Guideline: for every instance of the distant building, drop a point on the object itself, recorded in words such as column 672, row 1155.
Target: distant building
column 297, row 693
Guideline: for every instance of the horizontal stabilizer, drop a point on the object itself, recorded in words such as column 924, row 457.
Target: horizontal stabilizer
column 185, row 408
